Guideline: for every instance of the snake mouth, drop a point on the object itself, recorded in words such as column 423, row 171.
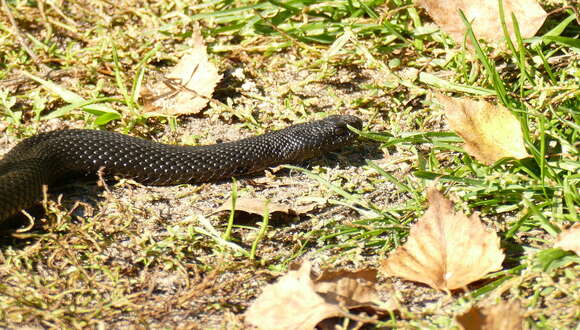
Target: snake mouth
column 342, row 131
column 335, row 132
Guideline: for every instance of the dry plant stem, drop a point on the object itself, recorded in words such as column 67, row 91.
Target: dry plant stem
column 60, row 13
column 574, row 9
column 74, row 259
column 30, row 222
column 21, row 40
column 394, row 11
column 47, row 25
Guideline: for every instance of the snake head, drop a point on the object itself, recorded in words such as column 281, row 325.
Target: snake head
column 336, row 132
column 340, row 123
column 314, row 138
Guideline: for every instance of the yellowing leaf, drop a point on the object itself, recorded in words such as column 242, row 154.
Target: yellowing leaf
column 298, row 302
column 490, row 132
column 484, row 17
column 569, row 239
column 501, row 316
column 445, row 250
column 188, row 87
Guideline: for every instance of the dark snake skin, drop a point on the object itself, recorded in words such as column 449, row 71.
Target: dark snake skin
column 46, row 158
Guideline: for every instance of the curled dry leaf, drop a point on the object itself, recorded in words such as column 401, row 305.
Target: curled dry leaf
column 484, row 17
column 569, row 239
column 188, row 87
column 290, row 303
column 501, row 316
column 351, row 289
column 258, row 206
column 445, row 250
column 490, row 132
column 298, row 302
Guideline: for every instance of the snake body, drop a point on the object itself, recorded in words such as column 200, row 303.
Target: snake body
column 46, row 158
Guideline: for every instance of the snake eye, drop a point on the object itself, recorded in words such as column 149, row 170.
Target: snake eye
column 340, row 130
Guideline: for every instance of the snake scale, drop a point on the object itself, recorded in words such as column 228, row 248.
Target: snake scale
column 46, row 158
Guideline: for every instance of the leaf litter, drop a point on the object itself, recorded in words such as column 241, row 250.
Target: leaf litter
column 569, row 239
column 504, row 315
column 296, row 301
column 445, row 249
column 188, row 88
column 344, row 290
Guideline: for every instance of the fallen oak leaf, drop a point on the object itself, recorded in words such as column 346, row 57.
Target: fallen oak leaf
column 484, row 17
column 445, row 250
column 505, row 315
column 490, row 132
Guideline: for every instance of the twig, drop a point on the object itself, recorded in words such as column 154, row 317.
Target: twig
column 574, row 9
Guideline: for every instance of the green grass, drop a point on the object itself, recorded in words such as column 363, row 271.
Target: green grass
column 135, row 260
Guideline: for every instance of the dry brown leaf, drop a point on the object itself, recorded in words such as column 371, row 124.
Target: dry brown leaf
column 490, row 132
column 188, row 87
column 258, row 206
column 569, row 239
column 290, row 303
column 350, row 289
column 445, row 250
column 298, row 302
column 501, row 316
column 484, row 17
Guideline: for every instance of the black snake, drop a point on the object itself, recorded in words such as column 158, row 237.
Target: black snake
column 46, row 158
